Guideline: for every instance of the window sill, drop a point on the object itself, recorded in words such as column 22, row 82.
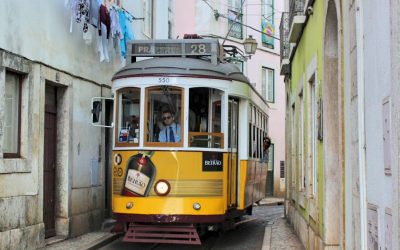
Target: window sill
column 17, row 165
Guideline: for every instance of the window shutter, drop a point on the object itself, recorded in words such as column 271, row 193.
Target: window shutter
column 270, row 85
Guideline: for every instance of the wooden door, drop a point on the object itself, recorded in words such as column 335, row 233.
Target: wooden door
column 49, row 162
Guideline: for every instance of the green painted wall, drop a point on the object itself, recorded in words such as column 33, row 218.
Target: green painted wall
column 309, row 46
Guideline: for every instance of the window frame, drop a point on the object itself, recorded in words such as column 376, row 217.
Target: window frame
column 301, row 148
column 148, row 10
column 118, row 117
column 238, row 10
column 268, row 19
column 211, row 118
column 264, row 85
column 19, row 78
column 313, row 133
column 182, row 124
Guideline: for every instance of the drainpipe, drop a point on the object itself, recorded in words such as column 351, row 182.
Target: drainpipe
column 361, row 123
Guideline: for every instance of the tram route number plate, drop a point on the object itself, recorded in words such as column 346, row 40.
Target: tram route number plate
column 212, row 161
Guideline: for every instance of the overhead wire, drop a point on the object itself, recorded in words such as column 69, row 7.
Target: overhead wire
column 215, row 11
column 248, row 4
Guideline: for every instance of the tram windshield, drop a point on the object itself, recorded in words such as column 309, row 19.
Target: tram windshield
column 128, row 101
column 163, row 119
column 205, row 118
column 164, row 115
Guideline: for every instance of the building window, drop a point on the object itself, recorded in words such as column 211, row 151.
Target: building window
column 302, row 182
column 148, row 18
column 12, row 119
column 239, row 64
column 293, row 142
column 313, row 133
column 267, row 23
column 235, row 17
column 268, row 84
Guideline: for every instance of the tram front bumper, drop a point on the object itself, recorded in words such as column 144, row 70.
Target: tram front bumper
column 165, row 206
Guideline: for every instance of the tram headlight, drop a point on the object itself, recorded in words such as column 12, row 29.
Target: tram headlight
column 196, row 206
column 162, row 187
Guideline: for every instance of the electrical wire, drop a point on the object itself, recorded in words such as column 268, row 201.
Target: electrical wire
column 216, row 12
column 248, row 4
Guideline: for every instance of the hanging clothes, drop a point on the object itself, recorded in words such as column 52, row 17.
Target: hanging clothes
column 82, row 13
column 125, row 21
column 72, row 5
column 94, row 12
column 116, row 33
column 104, row 33
column 115, row 27
column 105, row 19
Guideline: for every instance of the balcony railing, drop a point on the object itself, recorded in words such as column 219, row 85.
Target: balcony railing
column 284, row 29
column 296, row 8
column 235, row 24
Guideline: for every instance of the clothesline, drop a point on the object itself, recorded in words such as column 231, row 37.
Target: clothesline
column 133, row 17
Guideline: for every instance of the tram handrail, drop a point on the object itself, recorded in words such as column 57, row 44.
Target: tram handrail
column 211, row 136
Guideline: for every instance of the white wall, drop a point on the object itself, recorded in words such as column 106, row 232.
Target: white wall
column 377, row 54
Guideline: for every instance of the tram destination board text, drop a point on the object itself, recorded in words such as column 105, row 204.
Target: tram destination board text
column 171, row 49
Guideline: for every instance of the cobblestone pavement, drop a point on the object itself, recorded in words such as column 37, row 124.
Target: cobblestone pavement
column 281, row 235
column 268, row 215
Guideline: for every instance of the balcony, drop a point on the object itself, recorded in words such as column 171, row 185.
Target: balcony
column 297, row 19
column 284, row 44
column 235, row 23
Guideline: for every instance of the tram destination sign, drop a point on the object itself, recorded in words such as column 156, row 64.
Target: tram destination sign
column 174, row 47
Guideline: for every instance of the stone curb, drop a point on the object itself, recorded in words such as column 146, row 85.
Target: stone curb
column 102, row 242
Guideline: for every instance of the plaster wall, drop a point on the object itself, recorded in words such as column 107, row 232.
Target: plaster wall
column 395, row 114
column 352, row 175
column 35, row 41
column 378, row 85
column 308, row 58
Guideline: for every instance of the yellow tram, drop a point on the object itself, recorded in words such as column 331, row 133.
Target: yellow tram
column 187, row 153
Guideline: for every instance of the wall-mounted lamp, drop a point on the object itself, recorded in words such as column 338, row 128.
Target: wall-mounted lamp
column 250, row 45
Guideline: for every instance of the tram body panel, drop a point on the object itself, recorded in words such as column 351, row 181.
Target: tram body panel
column 251, row 182
column 190, row 182
column 169, row 205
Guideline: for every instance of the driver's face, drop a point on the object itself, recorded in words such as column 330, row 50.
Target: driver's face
column 167, row 118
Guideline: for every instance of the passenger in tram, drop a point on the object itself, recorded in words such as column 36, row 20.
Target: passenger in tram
column 172, row 130
column 266, row 145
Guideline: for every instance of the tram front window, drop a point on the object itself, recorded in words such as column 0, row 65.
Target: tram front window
column 205, row 118
column 128, row 116
column 164, row 115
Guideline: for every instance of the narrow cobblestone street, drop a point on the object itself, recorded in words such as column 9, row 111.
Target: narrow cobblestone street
column 268, row 216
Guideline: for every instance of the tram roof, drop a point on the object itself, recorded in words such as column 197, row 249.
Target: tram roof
column 181, row 66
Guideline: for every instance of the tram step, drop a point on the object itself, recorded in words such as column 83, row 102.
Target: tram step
column 155, row 233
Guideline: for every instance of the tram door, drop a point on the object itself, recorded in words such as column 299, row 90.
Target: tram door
column 233, row 113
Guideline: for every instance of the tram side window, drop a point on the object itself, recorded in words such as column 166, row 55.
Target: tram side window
column 164, row 115
column 205, row 118
column 128, row 116
column 250, row 110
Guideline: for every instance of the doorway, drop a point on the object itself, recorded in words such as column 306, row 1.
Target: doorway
column 49, row 160
column 233, row 113
column 332, row 124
